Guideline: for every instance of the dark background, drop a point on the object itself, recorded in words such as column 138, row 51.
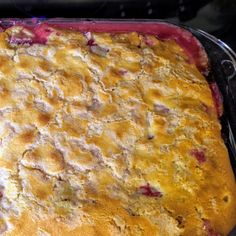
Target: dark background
column 217, row 17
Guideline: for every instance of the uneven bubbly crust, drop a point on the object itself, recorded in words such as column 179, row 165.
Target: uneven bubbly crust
column 108, row 134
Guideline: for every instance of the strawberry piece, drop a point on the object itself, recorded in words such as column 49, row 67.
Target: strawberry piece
column 148, row 41
column 149, row 191
column 91, row 42
column 199, row 155
column 42, row 32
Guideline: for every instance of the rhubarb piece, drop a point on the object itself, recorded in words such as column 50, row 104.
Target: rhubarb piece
column 94, row 47
column 161, row 109
column 100, row 51
column 21, row 35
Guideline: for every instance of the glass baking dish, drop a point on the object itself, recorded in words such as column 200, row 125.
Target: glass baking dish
column 222, row 61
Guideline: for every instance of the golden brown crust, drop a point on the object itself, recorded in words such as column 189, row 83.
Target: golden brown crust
column 113, row 136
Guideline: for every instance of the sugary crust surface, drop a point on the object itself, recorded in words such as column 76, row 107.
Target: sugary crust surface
column 108, row 134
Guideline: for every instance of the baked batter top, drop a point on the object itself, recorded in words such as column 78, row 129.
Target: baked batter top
column 108, row 134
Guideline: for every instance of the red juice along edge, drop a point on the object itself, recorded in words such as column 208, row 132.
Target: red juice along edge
column 217, row 98
column 163, row 31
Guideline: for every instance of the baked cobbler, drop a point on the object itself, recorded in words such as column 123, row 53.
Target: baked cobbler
column 108, row 134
